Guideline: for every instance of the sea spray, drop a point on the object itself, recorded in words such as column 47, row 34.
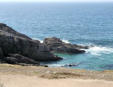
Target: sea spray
column 98, row 50
column 41, row 41
column 65, row 41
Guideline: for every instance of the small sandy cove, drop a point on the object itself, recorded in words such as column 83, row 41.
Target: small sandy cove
column 32, row 76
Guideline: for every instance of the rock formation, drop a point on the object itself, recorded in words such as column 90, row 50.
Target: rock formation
column 56, row 45
column 19, row 59
column 17, row 48
column 13, row 42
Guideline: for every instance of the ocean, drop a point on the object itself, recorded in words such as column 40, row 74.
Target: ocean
column 76, row 23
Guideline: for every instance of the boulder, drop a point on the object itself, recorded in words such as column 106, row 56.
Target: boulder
column 56, row 45
column 19, row 59
column 12, row 42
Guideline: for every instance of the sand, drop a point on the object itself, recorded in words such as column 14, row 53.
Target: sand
column 33, row 81
column 38, row 76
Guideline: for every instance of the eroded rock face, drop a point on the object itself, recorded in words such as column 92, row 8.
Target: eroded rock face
column 56, row 45
column 12, row 42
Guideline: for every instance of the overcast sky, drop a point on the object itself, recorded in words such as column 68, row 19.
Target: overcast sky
column 56, row 0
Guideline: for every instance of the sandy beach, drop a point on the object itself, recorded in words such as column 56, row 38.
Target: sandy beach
column 33, row 81
column 38, row 76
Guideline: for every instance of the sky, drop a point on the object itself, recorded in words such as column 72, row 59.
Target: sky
column 56, row 0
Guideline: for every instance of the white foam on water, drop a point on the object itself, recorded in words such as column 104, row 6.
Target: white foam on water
column 98, row 50
column 65, row 41
column 55, row 65
column 41, row 41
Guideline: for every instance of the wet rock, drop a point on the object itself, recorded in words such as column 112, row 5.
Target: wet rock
column 56, row 45
column 71, row 65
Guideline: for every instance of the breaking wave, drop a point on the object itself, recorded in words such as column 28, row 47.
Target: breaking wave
column 93, row 49
column 66, row 41
column 98, row 50
column 41, row 41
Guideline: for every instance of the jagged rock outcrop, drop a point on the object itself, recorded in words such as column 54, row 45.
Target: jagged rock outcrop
column 13, row 42
column 56, row 45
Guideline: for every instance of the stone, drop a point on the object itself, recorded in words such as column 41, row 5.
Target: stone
column 56, row 45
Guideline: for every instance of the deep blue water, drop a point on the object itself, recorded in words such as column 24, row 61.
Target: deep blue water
column 80, row 23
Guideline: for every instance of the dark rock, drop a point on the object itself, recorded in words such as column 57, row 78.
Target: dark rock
column 12, row 42
column 56, row 45
column 71, row 65
column 6, row 29
column 1, row 53
column 19, row 59
column 43, row 65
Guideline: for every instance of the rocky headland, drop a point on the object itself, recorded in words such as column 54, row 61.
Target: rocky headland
column 17, row 48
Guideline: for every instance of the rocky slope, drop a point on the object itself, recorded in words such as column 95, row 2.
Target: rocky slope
column 18, row 48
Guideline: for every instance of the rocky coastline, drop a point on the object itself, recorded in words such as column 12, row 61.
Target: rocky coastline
column 17, row 48
column 21, row 57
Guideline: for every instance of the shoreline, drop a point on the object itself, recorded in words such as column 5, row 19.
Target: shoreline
column 24, row 50
column 56, row 72
column 31, row 76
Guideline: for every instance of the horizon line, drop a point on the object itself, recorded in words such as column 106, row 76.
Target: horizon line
column 55, row 2
column 62, row 1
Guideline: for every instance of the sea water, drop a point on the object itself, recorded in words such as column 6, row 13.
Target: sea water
column 76, row 23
